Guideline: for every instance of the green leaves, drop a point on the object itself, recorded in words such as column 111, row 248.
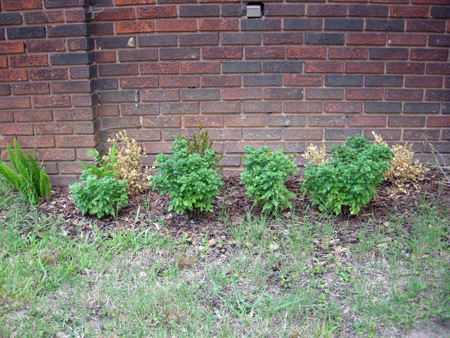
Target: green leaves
column 104, row 166
column 189, row 178
column 350, row 178
column 265, row 173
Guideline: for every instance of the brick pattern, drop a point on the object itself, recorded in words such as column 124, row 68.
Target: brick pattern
column 74, row 72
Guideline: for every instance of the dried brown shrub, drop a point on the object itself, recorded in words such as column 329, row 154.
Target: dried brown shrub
column 129, row 158
column 314, row 155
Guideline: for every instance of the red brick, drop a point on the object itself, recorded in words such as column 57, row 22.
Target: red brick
column 159, row 68
column 134, row 2
column 438, row 121
column 326, row 10
column 347, row 53
column 51, row 101
column 17, row 5
column 69, row 168
column 218, row 24
column 3, row 61
column 134, row 27
column 302, row 107
column 263, row 134
column 36, row 141
column 73, row 114
column 261, row 107
column 405, row 68
column 367, row 121
column 224, row 134
column 70, row 141
column 303, row 80
column 326, row 121
column 181, row 81
column 303, row 134
column 105, row 56
column 115, row 14
column 264, row 52
column 366, row 39
column 431, row 2
column 106, row 110
column 139, row 82
column 343, row 107
column 438, row 68
column 409, row 11
column 157, row 148
column 404, row 39
column 56, row 154
column 43, row 17
column 71, row 87
column 423, row 81
column 245, row 121
column 364, row 67
column 162, row 122
column 53, row 128
column 30, row 88
column 386, row 134
column 407, row 121
column 12, row 47
column 29, row 61
column 324, row 67
column 178, row 25
column 404, row 94
column 157, row 95
column 425, row 26
column 306, row 52
column 206, row 121
column 157, row 12
column 199, row 67
column 83, row 128
column 48, row 74
column 222, row 53
column 242, row 94
column 220, row 107
column 429, row 54
column 41, row 46
column 364, row 94
column 14, row 102
column 238, row 147
column 221, row 81
column 82, row 100
column 16, row 128
column 6, row 116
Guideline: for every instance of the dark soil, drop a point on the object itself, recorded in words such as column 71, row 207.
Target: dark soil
column 150, row 210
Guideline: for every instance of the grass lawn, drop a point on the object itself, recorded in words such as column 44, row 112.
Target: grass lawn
column 287, row 276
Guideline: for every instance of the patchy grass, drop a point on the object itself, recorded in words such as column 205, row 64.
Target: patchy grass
column 279, row 277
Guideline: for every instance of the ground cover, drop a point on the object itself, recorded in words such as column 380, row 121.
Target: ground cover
column 234, row 272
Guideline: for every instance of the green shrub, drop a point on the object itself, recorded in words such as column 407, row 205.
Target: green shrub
column 264, row 176
column 350, row 178
column 31, row 181
column 99, row 192
column 189, row 178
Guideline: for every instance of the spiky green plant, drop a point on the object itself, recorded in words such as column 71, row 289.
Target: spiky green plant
column 31, row 181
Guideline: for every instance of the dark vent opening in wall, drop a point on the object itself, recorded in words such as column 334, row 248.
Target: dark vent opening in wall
column 255, row 10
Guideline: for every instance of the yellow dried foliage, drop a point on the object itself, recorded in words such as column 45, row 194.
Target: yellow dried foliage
column 403, row 172
column 314, row 155
column 129, row 158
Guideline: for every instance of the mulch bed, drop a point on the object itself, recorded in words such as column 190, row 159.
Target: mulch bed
column 150, row 210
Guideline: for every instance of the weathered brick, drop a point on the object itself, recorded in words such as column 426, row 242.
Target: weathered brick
column 286, row 121
column 9, row 75
column 282, row 38
column 200, row 94
column 119, row 96
column 304, row 134
column 5, row 89
column 420, row 134
column 157, row 148
column 73, row 114
column 324, row 67
column 139, row 82
column 102, row 28
column 222, row 53
column 26, row 32
column 262, row 134
column 64, row 3
column 205, row 121
column 283, row 93
column 364, row 67
column 181, row 81
column 161, row 122
column 324, row 38
column 10, row 19
column 158, row 12
column 52, row 101
column 437, row 95
column 32, row 115
column 303, row 80
column 116, row 42
column 440, row 12
column 407, row 121
column 71, row 141
column 233, row 10
column 343, row 107
column 224, row 134
column 344, row 24
column 199, row 39
column 218, row 24
column 105, row 57
column 340, row 134
column 179, row 108
column 344, row 80
column 383, row 107
column 36, row 142
column 53, row 128
column 158, row 68
column 3, row 61
column 118, row 69
column 85, row 100
column 438, row 121
column 262, row 80
column 384, row 81
column 139, row 109
column 119, row 122
column 429, row 54
column 366, row 39
column 108, row 110
column 260, row 24
column 347, row 53
column 69, row 30
column 302, row 24
column 81, row 44
column 438, row 68
column 282, row 66
column 220, row 107
column 289, row 147
column 324, row 94
column 326, row 121
column 71, row 59
column 220, row 81
column 127, row 27
column 423, row 81
column 425, row 26
column 133, row 2
column 262, row 107
column 48, row 74
column 71, row 87
column 392, row 25
column 367, row 121
column 16, row 128
column 56, row 154
column 409, row 11
column 264, row 52
column 238, row 147
column 199, row 10
column 405, row 68
column 180, row 53
column 386, row 134
column 200, row 67
column 41, row 46
column 388, row 53
column 16, row 5
column 407, row 39
column 326, row 10
column 163, row 40
column 157, row 95
column 404, row 94
column 179, row 25
column 439, row 40
column 364, row 94
column 242, row 94
column 302, row 107
column 306, row 52
column 284, row 10
column 368, row 10
column 138, row 55
column 115, row 14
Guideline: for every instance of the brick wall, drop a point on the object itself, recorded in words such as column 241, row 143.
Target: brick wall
column 75, row 72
